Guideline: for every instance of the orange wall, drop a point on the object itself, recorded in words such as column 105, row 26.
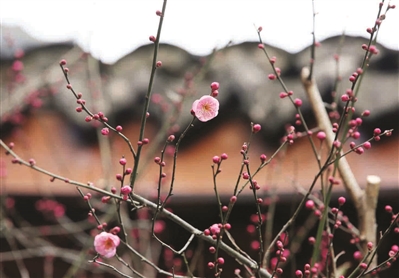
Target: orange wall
column 44, row 138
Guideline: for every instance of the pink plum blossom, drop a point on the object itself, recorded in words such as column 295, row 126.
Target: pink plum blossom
column 106, row 243
column 206, row 108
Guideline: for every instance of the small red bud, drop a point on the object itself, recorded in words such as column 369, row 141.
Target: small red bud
column 215, row 86
column 367, row 145
column 341, row 201
column 215, row 93
column 388, row 208
column 321, row 135
column 298, row 102
column 105, row 131
column 309, row 204
column 377, row 131
column 263, row 158
column 256, row 128
column 216, row 159
column 171, row 138
column 344, row 98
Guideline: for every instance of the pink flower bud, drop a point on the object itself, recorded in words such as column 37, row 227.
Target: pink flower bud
column 256, row 128
column 105, row 131
column 216, row 159
column 263, row 158
column 125, row 190
column 321, row 135
column 309, row 204
column 283, row 95
column 171, row 138
column 341, row 201
column 356, row 135
column 377, row 131
column 115, row 230
column 215, row 86
column 298, row 102
column 370, row 245
column 233, row 199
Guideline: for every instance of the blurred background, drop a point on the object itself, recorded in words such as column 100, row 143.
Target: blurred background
column 45, row 229
column 112, row 29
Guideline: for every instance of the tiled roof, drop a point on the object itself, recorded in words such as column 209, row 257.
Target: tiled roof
column 240, row 69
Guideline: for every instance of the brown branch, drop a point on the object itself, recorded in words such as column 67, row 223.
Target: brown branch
column 137, row 199
column 368, row 228
column 365, row 202
column 323, row 121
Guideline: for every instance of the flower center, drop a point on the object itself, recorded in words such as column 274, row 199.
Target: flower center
column 109, row 244
column 206, row 107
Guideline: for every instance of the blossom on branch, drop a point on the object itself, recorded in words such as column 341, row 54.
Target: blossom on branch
column 106, row 243
column 206, row 108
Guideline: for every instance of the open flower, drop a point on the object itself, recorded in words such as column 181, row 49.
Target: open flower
column 106, row 243
column 206, row 108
